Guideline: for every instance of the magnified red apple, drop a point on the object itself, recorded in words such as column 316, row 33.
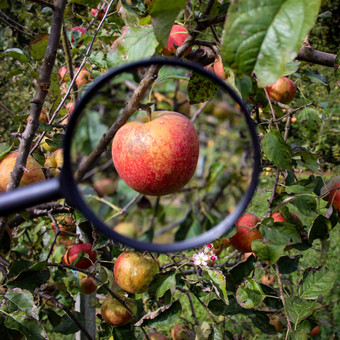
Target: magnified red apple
column 158, row 156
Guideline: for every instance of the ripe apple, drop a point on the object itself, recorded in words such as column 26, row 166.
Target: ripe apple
column 54, row 163
column 100, row 16
column 293, row 120
column 62, row 72
column 177, row 36
column 156, row 336
column 33, row 174
column 104, row 186
column 65, row 223
column 283, row 90
column 315, row 331
column 84, row 77
column 334, row 196
column 134, row 271
column 277, row 217
column 114, row 313
column 182, row 332
column 86, row 284
column 127, row 229
column 246, row 232
column 157, row 157
column 72, row 253
column 70, row 107
column 268, row 279
column 217, row 68
column 78, row 29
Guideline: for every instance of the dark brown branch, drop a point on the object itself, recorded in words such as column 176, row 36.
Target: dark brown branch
column 5, row 108
column 310, row 55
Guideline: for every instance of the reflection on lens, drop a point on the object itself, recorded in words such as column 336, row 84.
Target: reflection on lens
column 162, row 154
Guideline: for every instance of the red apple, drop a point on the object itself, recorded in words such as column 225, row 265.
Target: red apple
column 315, row 331
column 177, row 36
column 78, row 29
column 127, row 229
column 217, row 68
column 32, row 174
column 246, row 233
column 54, row 163
column 133, row 271
column 95, row 11
column 72, row 253
column 105, row 186
column 62, row 72
column 84, row 77
column 283, row 90
column 334, row 196
column 65, row 223
column 114, row 313
column 182, row 332
column 70, row 107
column 277, row 217
column 157, row 157
column 86, row 284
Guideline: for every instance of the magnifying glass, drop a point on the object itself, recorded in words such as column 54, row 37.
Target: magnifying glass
column 178, row 146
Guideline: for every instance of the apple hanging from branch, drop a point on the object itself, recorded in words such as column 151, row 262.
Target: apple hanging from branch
column 178, row 35
column 283, row 90
column 158, row 156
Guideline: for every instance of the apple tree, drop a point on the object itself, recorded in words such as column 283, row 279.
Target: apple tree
column 275, row 274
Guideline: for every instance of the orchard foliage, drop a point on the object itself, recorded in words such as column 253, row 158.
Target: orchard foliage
column 288, row 283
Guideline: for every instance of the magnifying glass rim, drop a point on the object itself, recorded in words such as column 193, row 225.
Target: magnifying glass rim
column 69, row 186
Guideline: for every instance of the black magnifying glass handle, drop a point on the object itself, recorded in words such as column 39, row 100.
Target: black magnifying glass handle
column 29, row 196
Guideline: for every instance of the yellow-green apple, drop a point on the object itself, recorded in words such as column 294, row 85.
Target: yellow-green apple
column 86, row 284
column 177, row 36
column 72, row 253
column 156, row 336
column 247, row 232
column 32, row 174
column 84, row 77
column 54, row 163
column 182, row 332
column 66, row 225
column 127, row 229
column 104, row 186
column 158, row 156
column 334, row 196
column 133, row 271
column 114, row 313
column 283, row 90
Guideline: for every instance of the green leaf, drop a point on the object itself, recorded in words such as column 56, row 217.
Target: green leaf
column 218, row 281
column 320, row 229
column 277, row 150
column 242, row 269
column 87, row 3
column 30, row 327
column 281, row 234
column 17, row 54
column 308, row 159
column 305, row 203
column 169, row 281
column 261, row 321
column 316, row 282
column 4, row 150
column 249, row 294
column 37, row 46
column 298, row 309
column 263, row 36
column 67, row 326
column 3, row 4
column 270, row 252
column 288, row 265
column 299, row 334
column 218, row 307
column 200, row 88
column 163, row 16
column 215, row 171
column 23, row 300
column 139, row 41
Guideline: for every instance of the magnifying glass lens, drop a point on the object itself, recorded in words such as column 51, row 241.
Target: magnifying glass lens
column 162, row 153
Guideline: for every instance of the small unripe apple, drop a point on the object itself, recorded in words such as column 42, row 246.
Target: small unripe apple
column 133, row 271
column 283, row 90
column 182, row 332
column 268, row 279
column 72, row 253
column 54, row 163
column 33, row 173
column 178, row 35
column 246, row 232
column 114, row 313
column 157, row 157
column 86, row 284
column 127, row 229
column 156, row 336
column 334, row 196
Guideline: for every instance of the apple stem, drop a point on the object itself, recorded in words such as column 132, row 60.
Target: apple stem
column 147, row 108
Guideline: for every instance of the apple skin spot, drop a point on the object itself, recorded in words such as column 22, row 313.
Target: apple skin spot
column 158, row 157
